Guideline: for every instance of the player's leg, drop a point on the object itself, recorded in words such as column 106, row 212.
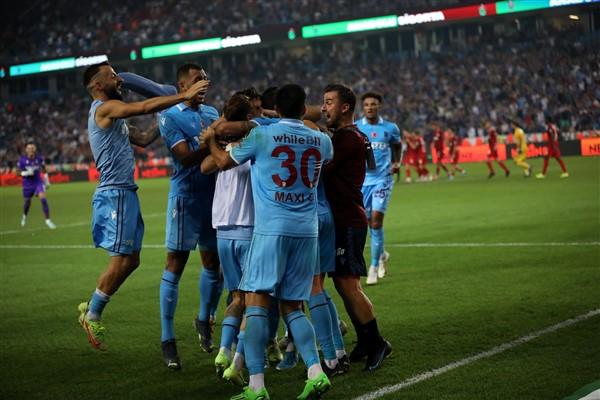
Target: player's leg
column 295, row 287
column 40, row 191
column 255, row 340
column 563, row 167
column 520, row 161
column 490, row 166
column 27, row 195
column 233, row 373
column 504, row 167
column 232, row 254
column 273, row 354
column 168, row 296
column 267, row 255
column 380, row 202
column 210, row 287
column 210, row 282
column 346, row 278
column 118, row 227
column 542, row 174
column 321, row 319
column 369, row 192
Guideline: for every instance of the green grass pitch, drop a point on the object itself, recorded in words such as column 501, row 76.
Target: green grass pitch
column 437, row 305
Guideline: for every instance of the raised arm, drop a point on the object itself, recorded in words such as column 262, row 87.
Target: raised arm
column 144, row 86
column 114, row 109
column 220, row 157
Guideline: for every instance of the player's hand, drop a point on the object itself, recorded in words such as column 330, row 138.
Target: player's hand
column 196, row 89
column 395, row 168
column 208, row 134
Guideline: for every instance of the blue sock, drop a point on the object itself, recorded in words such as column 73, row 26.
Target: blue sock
column 321, row 319
column 240, row 344
column 376, row 245
column 169, row 291
column 273, row 319
column 257, row 331
column 338, row 339
column 208, row 284
column 304, row 337
column 97, row 304
column 230, row 329
column 214, row 301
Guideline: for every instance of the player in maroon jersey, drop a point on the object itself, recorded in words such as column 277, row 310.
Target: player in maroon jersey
column 553, row 150
column 438, row 145
column 410, row 155
column 493, row 152
column 421, row 157
column 453, row 142
column 343, row 178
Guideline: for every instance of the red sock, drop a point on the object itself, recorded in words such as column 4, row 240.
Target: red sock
column 545, row 168
column 408, row 172
column 562, row 164
column 502, row 166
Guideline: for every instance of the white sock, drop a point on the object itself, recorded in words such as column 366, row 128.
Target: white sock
column 340, row 353
column 257, row 382
column 314, row 370
column 238, row 361
column 290, row 347
column 226, row 351
column 331, row 363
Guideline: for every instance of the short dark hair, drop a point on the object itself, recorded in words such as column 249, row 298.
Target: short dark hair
column 374, row 95
column 290, row 100
column 237, row 108
column 250, row 93
column 92, row 70
column 345, row 94
column 268, row 98
column 186, row 68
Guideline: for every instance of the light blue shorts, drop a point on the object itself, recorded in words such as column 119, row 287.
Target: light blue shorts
column 117, row 224
column 189, row 224
column 233, row 246
column 281, row 266
column 376, row 197
column 326, row 243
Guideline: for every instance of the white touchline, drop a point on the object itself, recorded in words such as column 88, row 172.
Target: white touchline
column 73, row 225
column 514, row 244
column 384, row 391
column 402, row 245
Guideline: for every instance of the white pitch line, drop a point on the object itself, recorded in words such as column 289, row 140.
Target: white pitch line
column 402, row 245
column 73, row 225
column 384, row 391
column 515, row 244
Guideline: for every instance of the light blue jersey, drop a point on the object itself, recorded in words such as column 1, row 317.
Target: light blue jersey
column 287, row 159
column 112, row 152
column 181, row 123
column 382, row 135
column 323, row 204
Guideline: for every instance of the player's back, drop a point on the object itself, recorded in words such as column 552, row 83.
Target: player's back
column 112, row 152
column 287, row 163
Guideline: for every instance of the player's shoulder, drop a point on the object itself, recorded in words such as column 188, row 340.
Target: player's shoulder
column 209, row 111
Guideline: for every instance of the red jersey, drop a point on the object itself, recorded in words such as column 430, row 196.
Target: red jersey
column 552, row 132
column 438, row 140
column 420, row 146
column 492, row 139
column 344, row 177
column 453, row 144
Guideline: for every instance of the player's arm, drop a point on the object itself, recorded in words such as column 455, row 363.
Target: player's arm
column 144, row 86
column 143, row 138
column 187, row 157
column 114, row 109
column 233, row 128
column 220, row 157
column 208, row 165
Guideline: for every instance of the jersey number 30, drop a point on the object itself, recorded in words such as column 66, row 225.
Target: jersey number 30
column 289, row 164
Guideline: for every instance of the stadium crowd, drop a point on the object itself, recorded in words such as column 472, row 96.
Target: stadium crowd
column 492, row 79
column 68, row 27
